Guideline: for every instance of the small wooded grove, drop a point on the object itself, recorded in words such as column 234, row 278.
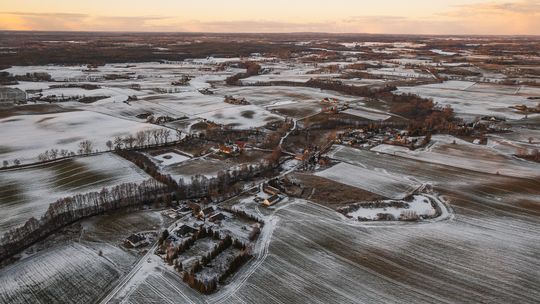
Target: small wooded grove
column 333, row 85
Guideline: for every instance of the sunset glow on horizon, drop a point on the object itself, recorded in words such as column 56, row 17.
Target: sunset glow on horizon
column 507, row 17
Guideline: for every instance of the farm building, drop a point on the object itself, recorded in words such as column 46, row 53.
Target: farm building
column 208, row 210
column 218, row 217
column 231, row 149
column 274, row 199
column 270, row 190
column 185, row 229
column 136, row 241
column 9, row 97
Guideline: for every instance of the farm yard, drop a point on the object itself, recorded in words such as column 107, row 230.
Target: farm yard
column 284, row 168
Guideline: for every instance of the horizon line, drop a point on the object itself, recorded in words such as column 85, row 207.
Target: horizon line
column 271, row 33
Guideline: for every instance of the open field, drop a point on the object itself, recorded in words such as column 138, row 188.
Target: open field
column 378, row 182
column 27, row 136
column 330, row 193
column 469, row 156
column 210, row 165
column 470, row 103
column 367, row 264
column 21, row 198
column 241, row 117
column 60, row 272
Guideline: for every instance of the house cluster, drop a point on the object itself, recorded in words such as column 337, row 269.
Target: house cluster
column 526, row 109
column 328, row 100
column 194, row 208
column 232, row 149
column 368, row 139
column 9, row 97
column 236, row 101
column 492, row 124
column 332, row 105
column 183, row 81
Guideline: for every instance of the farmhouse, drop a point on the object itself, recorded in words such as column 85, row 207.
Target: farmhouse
column 270, row 190
column 230, row 149
column 185, row 229
column 9, row 97
column 208, row 210
column 136, row 241
column 218, row 217
column 302, row 156
column 274, row 199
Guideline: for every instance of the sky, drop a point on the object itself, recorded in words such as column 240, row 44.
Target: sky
column 471, row 17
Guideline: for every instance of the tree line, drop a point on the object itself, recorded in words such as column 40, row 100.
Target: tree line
column 68, row 210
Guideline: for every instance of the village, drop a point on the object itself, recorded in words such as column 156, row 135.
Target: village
column 289, row 168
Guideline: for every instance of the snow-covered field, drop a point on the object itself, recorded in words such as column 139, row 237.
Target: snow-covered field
column 28, row 192
column 468, row 102
column 80, row 269
column 275, row 95
column 241, row 117
column 71, row 273
column 375, row 181
column 399, row 72
column 420, row 205
column 466, row 155
column 315, row 256
column 170, row 158
column 27, row 136
column 371, row 115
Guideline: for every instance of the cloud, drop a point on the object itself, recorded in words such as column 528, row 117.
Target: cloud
column 508, row 18
column 527, row 7
column 262, row 26
column 75, row 21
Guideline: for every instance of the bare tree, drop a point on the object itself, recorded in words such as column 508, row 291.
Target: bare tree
column 53, row 153
column 140, row 137
column 118, row 143
column 85, row 147
column 109, row 144
column 129, row 141
column 166, row 135
column 5, row 163
column 148, row 135
column 156, row 135
column 44, row 156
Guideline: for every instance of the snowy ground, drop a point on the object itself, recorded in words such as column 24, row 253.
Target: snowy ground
column 27, row 136
column 74, row 271
column 241, row 117
column 465, row 155
column 469, row 102
column 376, row 181
column 29, row 192
column 371, row 115
column 420, row 205
column 170, row 158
